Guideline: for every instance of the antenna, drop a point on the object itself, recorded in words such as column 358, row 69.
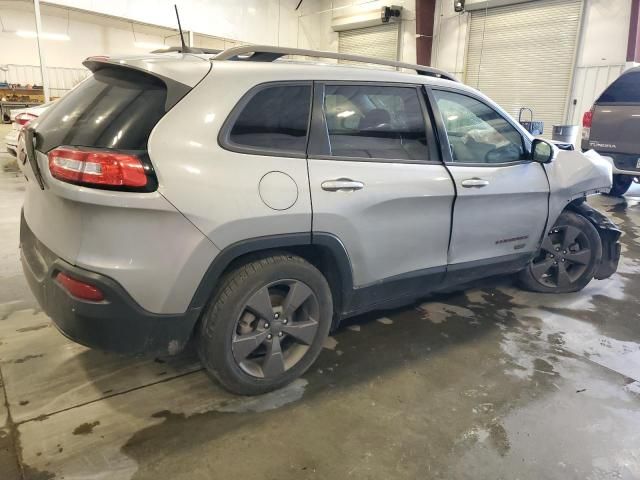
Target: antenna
column 185, row 49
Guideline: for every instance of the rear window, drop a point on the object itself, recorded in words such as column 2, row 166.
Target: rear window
column 626, row 89
column 275, row 118
column 114, row 108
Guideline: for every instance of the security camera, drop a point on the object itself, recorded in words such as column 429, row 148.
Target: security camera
column 458, row 5
column 388, row 12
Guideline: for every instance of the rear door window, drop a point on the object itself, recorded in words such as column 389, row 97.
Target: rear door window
column 274, row 118
column 377, row 122
column 114, row 108
column 626, row 89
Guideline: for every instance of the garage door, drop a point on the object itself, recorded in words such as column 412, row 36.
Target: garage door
column 523, row 55
column 380, row 41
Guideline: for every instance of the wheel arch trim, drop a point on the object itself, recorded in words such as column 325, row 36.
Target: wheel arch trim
column 323, row 241
column 609, row 235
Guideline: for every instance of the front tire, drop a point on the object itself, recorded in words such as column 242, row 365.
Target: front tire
column 568, row 258
column 266, row 324
column 621, row 184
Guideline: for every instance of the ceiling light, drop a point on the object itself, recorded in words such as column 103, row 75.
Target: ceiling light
column 43, row 35
column 151, row 45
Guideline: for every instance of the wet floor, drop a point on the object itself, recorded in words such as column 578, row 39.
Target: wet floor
column 488, row 383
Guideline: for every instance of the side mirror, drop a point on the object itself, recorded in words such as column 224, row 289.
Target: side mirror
column 542, row 151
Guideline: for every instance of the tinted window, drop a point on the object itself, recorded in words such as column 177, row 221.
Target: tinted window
column 477, row 133
column 375, row 122
column 626, row 89
column 275, row 118
column 114, row 108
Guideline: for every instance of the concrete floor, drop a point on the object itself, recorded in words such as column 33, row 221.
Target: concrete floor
column 491, row 383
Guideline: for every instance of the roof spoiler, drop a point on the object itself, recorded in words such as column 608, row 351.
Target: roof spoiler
column 175, row 89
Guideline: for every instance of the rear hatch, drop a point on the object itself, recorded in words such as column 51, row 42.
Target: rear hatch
column 86, row 157
column 615, row 121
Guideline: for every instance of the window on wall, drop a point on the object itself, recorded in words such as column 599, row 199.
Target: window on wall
column 275, row 118
column 477, row 133
column 369, row 121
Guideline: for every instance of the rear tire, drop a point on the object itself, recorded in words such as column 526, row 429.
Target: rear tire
column 621, row 184
column 266, row 324
column 568, row 258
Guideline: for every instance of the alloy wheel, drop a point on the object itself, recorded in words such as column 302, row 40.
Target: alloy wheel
column 564, row 256
column 275, row 328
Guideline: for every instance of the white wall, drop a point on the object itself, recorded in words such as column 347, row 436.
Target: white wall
column 449, row 38
column 86, row 39
column 249, row 21
column 253, row 21
column 271, row 22
column 605, row 32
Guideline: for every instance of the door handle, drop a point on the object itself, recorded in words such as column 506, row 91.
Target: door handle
column 475, row 183
column 342, row 185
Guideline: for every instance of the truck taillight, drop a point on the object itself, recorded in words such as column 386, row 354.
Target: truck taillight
column 98, row 168
column 587, row 121
column 23, row 118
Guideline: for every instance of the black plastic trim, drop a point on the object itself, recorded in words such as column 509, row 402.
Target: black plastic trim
column 609, row 234
column 175, row 90
column 461, row 273
column 238, row 249
column 30, row 150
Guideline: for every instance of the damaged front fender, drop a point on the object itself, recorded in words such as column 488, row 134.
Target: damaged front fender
column 572, row 177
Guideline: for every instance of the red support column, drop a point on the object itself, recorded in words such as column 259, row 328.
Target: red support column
column 425, row 16
column 633, row 47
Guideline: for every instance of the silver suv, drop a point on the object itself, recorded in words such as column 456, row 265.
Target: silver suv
column 252, row 203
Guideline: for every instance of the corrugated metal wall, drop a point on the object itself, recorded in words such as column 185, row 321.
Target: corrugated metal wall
column 524, row 55
column 379, row 41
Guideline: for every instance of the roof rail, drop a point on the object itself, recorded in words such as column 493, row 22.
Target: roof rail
column 265, row 53
column 209, row 51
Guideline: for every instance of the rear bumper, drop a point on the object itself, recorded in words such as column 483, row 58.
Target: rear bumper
column 623, row 164
column 117, row 323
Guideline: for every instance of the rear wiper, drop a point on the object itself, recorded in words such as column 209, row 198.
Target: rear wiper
column 29, row 146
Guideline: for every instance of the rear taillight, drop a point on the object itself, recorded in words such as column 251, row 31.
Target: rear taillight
column 79, row 289
column 587, row 121
column 99, row 168
column 23, row 118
